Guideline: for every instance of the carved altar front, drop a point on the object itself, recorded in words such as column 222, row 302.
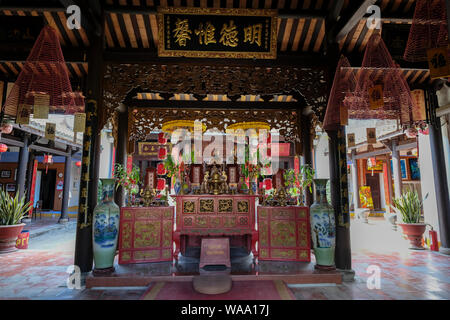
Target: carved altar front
column 145, row 234
column 215, row 215
column 284, row 233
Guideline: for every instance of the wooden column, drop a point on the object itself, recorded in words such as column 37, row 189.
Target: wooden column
column 396, row 170
column 23, row 164
column 389, row 182
column 355, row 185
column 338, row 159
column 90, row 152
column 339, row 200
column 306, row 150
column 121, row 152
column 440, row 185
column 66, row 187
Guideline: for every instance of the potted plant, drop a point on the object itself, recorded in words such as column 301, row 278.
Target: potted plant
column 12, row 211
column 297, row 182
column 409, row 208
column 129, row 181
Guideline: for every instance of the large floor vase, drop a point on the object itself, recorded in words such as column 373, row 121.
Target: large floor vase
column 414, row 232
column 323, row 228
column 8, row 237
column 105, row 229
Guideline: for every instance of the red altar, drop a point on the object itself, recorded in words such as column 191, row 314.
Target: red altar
column 145, row 234
column 215, row 215
column 284, row 233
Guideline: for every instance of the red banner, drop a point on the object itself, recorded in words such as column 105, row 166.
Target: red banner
column 129, row 164
column 33, row 186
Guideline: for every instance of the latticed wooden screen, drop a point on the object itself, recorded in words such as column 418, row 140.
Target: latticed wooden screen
column 145, row 234
column 284, row 233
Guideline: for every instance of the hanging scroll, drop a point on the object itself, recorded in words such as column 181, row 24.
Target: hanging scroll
column 50, row 130
column 41, row 106
column 376, row 97
column 371, row 135
column 438, row 62
column 23, row 114
column 350, row 140
column 418, row 112
column 79, row 122
column 217, row 33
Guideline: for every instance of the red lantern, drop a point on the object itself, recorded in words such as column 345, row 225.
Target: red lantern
column 3, row 147
column 161, row 185
column 48, row 159
column 269, row 138
column 162, row 153
column 78, row 164
column 269, row 152
column 424, row 131
column 6, row 128
column 268, row 183
column 161, row 138
column 160, row 169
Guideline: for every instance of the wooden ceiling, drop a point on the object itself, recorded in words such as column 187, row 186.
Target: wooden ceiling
column 11, row 69
column 132, row 24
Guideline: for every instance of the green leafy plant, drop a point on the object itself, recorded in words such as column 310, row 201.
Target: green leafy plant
column 250, row 170
column 172, row 169
column 12, row 209
column 297, row 182
column 129, row 181
column 409, row 206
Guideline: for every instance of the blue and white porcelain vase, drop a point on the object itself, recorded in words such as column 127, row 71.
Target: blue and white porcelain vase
column 105, row 227
column 323, row 227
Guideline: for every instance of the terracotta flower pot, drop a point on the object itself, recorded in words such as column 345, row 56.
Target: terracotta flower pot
column 414, row 232
column 8, row 237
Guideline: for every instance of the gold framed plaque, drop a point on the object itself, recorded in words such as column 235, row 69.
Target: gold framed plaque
column 217, row 33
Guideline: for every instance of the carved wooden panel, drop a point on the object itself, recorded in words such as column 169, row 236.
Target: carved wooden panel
column 216, row 215
column 284, row 233
column 145, row 234
column 306, row 84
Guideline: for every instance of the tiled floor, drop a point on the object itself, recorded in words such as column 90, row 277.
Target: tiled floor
column 40, row 271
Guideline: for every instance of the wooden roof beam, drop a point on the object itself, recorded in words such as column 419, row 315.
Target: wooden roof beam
column 211, row 105
column 346, row 24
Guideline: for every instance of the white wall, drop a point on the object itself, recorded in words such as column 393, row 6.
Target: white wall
column 74, row 185
column 321, row 158
column 427, row 181
column 445, row 121
column 105, row 155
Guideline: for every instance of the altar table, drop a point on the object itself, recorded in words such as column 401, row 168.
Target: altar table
column 147, row 233
column 215, row 215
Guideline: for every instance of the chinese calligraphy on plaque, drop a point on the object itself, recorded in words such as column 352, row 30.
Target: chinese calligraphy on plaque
column 212, row 33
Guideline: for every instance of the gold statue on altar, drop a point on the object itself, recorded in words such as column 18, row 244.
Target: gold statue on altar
column 214, row 182
column 148, row 195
